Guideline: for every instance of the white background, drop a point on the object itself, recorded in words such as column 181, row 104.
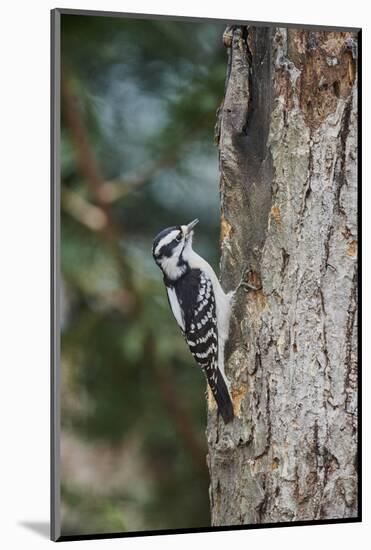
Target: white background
column 24, row 269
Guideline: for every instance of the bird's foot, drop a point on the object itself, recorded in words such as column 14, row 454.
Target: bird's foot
column 249, row 281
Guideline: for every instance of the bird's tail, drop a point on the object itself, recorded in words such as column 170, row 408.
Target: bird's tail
column 222, row 397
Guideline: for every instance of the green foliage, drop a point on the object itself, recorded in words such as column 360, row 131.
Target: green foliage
column 146, row 93
column 92, row 514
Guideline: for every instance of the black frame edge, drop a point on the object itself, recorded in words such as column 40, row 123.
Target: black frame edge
column 149, row 533
column 359, row 282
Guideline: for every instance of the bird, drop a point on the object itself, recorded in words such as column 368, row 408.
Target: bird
column 200, row 306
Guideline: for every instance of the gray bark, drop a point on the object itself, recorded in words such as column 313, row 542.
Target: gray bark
column 287, row 134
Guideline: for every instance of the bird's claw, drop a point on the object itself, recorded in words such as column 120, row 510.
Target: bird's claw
column 245, row 283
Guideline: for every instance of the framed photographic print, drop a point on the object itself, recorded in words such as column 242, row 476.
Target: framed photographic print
column 205, row 274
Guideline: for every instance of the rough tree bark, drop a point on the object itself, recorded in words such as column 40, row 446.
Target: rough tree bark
column 287, row 134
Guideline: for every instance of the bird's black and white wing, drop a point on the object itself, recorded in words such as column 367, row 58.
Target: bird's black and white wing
column 192, row 302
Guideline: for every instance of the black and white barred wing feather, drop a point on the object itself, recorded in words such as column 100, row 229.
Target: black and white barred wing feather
column 192, row 302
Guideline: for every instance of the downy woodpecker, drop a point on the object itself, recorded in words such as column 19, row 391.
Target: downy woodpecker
column 200, row 306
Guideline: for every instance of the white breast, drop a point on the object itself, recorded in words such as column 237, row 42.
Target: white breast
column 223, row 303
column 222, row 300
column 175, row 307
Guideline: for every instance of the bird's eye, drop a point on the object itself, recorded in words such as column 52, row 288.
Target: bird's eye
column 178, row 238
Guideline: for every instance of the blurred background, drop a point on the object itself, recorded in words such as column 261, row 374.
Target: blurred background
column 138, row 101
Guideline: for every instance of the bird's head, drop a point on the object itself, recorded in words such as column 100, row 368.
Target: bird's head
column 171, row 248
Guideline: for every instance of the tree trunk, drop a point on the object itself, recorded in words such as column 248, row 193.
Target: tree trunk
column 287, row 134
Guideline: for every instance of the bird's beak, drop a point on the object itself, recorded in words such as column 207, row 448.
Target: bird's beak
column 190, row 226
